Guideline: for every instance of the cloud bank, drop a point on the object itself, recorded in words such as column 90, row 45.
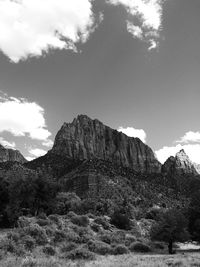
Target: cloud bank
column 30, row 27
column 145, row 19
column 132, row 132
column 22, row 118
column 190, row 142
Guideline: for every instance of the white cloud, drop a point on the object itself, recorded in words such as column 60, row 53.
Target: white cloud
column 31, row 27
column 192, row 150
column 20, row 117
column 149, row 17
column 30, row 158
column 190, row 137
column 132, row 132
column 48, row 143
column 37, row 152
column 7, row 144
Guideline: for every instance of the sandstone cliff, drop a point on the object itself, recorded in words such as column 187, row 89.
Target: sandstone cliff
column 85, row 138
column 10, row 155
column 179, row 165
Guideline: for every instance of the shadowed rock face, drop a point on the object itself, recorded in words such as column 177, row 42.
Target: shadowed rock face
column 179, row 165
column 85, row 138
column 11, row 155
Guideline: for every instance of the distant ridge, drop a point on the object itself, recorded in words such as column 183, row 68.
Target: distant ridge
column 7, row 154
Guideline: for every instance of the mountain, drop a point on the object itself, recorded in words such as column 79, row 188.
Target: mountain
column 179, row 165
column 7, row 154
column 197, row 167
column 86, row 139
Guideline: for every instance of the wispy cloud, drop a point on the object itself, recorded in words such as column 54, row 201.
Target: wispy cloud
column 31, row 27
column 145, row 19
column 190, row 137
column 132, row 132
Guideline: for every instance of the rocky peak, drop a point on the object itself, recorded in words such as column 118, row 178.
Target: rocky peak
column 178, row 165
column 7, row 154
column 85, row 138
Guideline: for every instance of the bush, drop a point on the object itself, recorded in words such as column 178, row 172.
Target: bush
column 139, row 247
column 103, row 222
column 158, row 245
column 129, row 239
column 68, row 247
column 42, row 216
column 120, row 220
column 80, row 253
column 80, row 220
column 85, row 234
column 49, row 250
column 29, row 242
column 71, row 236
column 54, row 218
column 37, row 232
column 120, row 249
column 59, row 236
column 42, row 222
column 24, row 221
column 95, row 227
column 29, row 262
column 99, row 247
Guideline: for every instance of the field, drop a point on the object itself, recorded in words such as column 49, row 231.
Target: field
column 130, row 260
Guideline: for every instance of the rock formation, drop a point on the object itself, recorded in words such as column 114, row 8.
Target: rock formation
column 179, row 165
column 7, row 154
column 85, row 138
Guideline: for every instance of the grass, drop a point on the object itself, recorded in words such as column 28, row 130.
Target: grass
column 128, row 260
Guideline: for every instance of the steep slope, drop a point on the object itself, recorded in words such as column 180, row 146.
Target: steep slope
column 179, row 165
column 10, row 155
column 85, row 138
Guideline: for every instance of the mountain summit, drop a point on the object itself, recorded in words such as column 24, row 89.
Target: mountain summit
column 178, row 165
column 85, row 138
column 7, row 154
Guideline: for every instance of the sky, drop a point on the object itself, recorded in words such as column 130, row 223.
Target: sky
column 132, row 64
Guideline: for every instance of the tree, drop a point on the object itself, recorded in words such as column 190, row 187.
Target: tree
column 171, row 227
column 194, row 216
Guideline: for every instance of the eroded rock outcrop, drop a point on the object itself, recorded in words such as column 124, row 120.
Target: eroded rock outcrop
column 7, row 154
column 179, row 165
column 85, row 138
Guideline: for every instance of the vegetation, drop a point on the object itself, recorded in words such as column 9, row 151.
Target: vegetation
column 171, row 227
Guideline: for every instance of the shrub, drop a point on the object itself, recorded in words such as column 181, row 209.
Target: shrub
column 42, row 216
column 158, row 245
column 120, row 249
column 59, row 236
column 120, row 220
column 95, row 227
column 15, row 236
column 106, row 238
column 80, row 253
column 42, row 222
column 71, row 214
column 29, row 242
column 99, row 247
column 37, row 232
column 49, row 250
column 91, row 216
column 68, row 247
column 54, row 218
column 129, row 239
column 139, row 247
column 103, row 222
column 71, row 236
column 80, row 220
column 24, row 221
column 12, row 247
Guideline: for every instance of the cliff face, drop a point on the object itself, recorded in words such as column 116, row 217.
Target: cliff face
column 11, row 155
column 179, row 165
column 85, row 138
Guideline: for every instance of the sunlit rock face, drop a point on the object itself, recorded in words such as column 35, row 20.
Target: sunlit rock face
column 10, row 155
column 178, row 165
column 85, row 138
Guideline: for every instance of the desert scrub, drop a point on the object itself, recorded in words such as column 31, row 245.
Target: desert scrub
column 139, row 247
column 80, row 220
column 71, row 236
column 59, row 236
column 129, row 239
column 68, row 246
column 29, row 242
column 85, row 234
column 99, row 247
column 43, row 222
column 103, row 222
column 95, row 227
column 80, row 253
column 54, row 218
column 49, row 250
column 37, row 232
column 120, row 249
